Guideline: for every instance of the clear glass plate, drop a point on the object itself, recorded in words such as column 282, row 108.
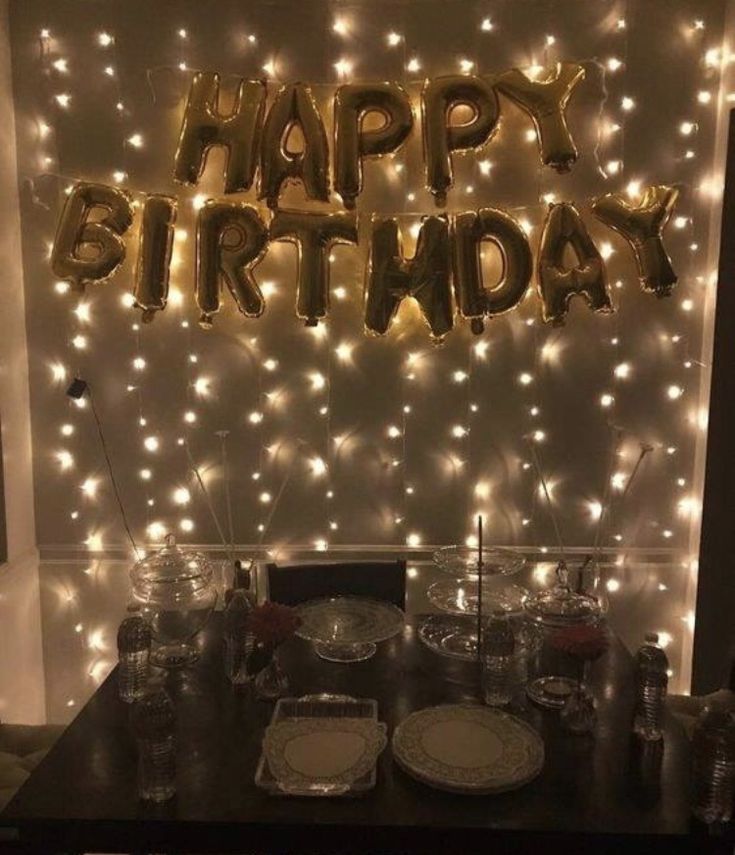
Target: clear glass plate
column 455, row 636
column 462, row 561
column 349, row 620
column 459, row 597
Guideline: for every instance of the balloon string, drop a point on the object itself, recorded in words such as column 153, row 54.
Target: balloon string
column 645, row 449
column 274, row 505
column 222, row 434
column 366, row 215
column 547, row 494
column 607, row 495
column 208, row 499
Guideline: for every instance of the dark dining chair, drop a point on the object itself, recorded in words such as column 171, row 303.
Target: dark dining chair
column 379, row 580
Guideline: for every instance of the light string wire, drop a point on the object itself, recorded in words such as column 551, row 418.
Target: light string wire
column 110, row 470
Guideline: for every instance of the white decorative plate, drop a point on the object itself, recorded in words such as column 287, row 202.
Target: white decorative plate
column 323, row 752
column 468, row 748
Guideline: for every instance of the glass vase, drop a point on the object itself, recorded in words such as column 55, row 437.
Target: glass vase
column 271, row 682
column 578, row 715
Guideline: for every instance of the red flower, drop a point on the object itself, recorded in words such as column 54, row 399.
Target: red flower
column 583, row 642
column 273, row 623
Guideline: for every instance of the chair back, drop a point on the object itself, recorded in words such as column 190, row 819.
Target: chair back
column 378, row 580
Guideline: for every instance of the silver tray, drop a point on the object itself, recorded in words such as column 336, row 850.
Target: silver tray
column 318, row 706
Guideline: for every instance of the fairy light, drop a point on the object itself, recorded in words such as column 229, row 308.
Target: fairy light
column 66, row 459
column 460, row 425
column 151, row 443
column 340, row 27
column 318, row 381
column 181, row 496
column 89, row 487
column 343, row 67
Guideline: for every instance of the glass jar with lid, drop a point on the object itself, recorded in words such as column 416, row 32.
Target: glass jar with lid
column 176, row 594
column 554, row 675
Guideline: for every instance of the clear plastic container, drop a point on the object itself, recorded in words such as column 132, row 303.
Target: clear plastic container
column 154, row 727
column 133, row 651
column 713, row 765
column 498, row 646
column 651, row 684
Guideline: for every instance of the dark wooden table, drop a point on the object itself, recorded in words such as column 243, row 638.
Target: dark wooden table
column 595, row 794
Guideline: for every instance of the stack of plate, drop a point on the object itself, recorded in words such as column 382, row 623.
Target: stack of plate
column 464, row 748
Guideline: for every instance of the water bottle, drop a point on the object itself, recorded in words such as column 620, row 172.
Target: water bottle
column 497, row 650
column 713, row 757
column 238, row 640
column 651, row 682
column 154, row 724
column 133, row 652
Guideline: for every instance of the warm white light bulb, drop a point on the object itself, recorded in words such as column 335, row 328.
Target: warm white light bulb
column 181, row 496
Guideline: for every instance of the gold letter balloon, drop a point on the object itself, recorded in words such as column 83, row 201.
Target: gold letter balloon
column 238, row 133
column 87, row 251
column 231, row 240
column 474, row 300
column 642, row 227
column 546, row 102
column 314, row 235
column 557, row 283
column 441, row 137
column 294, row 106
column 154, row 255
column 352, row 103
column 426, row 277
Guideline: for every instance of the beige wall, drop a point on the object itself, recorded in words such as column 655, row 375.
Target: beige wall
column 21, row 667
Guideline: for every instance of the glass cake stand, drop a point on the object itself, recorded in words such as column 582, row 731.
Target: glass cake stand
column 346, row 629
column 453, row 633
